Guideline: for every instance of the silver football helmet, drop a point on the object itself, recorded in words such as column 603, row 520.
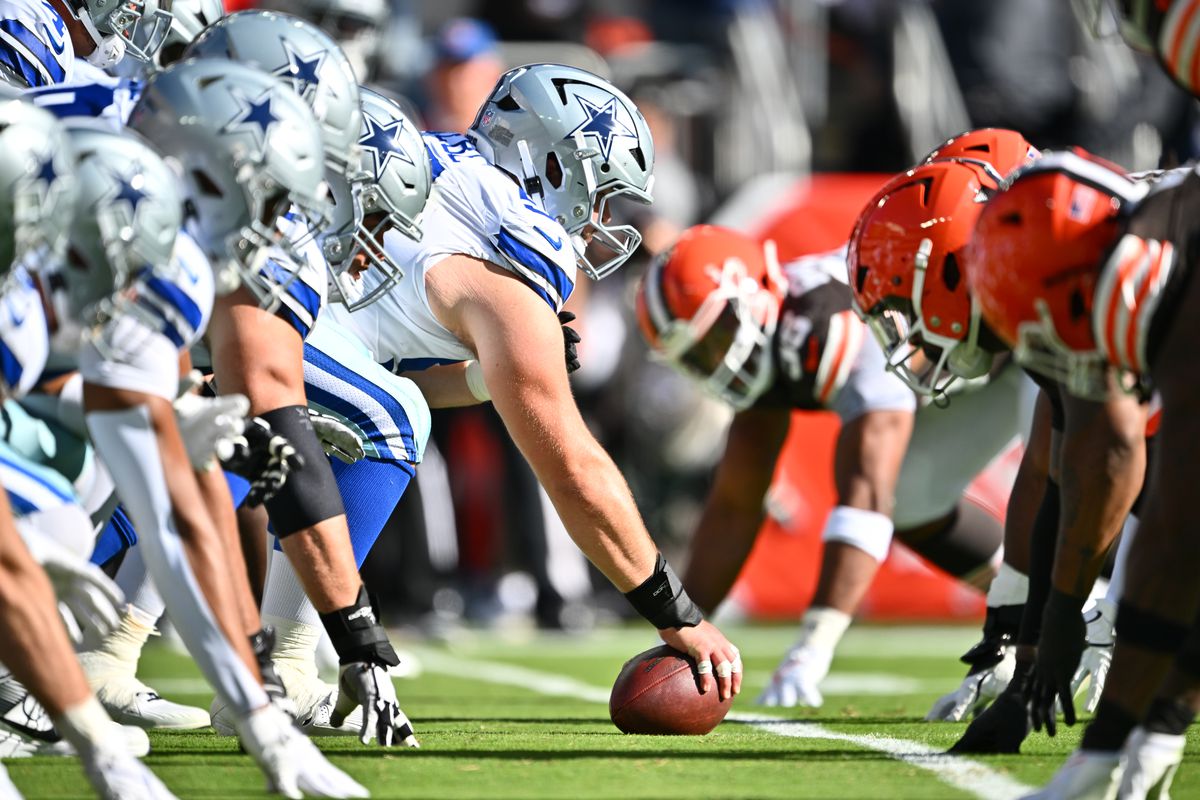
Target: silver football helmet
column 189, row 18
column 127, row 214
column 355, row 24
column 112, row 25
column 396, row 164
column 574, row 142
column 308, row 59
column 37, row 183
column 248, row 150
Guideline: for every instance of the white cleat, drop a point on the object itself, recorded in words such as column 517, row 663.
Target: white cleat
column 315, row 700
column 293, row 765
column 131, row 702
column 1151, row 760
column 797, row 678
column 117, row 776
column 1087, row 775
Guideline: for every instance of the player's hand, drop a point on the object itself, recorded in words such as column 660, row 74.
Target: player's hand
column 209, row 425
column 294, row 767
column 90, row 596
column 337, row 439
column 262, row 457
column 991, row 668
column 1003, row 725
column 1097, row 658
column 797, row 679
column 368, row 685
column 1060, row 646
column 714, row 655
column 571, row 338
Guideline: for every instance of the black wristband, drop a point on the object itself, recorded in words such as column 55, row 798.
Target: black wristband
column 662, row 600
column 357, row 636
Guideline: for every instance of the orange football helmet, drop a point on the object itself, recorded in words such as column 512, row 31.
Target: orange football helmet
column 1003, row 149
column 709, row 305
column 905, row 275
column 1039, row 268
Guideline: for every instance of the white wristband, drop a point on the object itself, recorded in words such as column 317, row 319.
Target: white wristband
column 869, row 531
column 475, row 382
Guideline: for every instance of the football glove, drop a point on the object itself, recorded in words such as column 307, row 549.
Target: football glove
column 337, row 439
column 1097, row 658
column 82, row 588
column 209, row 425
column 571, row 338
column 368, row 685
column 797, row 678
column 991, row 663
column 262, row 457
column 1060, row 646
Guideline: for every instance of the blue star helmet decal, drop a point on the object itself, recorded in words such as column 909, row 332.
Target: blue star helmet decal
column 304, row 72
column 128, row 190
column 602, row 123
column 254, row 117
column 382, row 142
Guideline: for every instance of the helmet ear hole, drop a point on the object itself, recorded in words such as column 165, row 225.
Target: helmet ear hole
column 508, row 103
column 860, row 277
column 951, row 274
column 554, row 172
column 206, row 184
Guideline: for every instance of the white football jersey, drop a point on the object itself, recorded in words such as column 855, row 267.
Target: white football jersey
column 35, row 47
column 92, row 93
column 474, row 209
column 24, row 340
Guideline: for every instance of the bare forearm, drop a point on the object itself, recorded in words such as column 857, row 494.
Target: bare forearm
column 216, row 498
column 598, row 511
column 719, row 548
column 1103, row 462
column 444, row 386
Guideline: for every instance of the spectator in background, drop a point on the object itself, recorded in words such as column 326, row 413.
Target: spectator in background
column 466, row 67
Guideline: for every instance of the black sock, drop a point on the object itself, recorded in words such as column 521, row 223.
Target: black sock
column 1108, row 731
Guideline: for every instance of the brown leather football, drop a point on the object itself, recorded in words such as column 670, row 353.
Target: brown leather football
column 657, row 692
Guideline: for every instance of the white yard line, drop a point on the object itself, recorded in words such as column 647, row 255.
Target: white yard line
column 972, row 777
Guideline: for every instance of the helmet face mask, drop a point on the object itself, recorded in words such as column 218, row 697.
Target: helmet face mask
column 136, row 28
column 710, row 307
column 905, row 276
column 574, row 143
column 249, row 152
column 396, row 182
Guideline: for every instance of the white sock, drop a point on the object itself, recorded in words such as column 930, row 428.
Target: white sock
column 295, row 646
column 1009, row 587
column 283, row 594
column 823, row 628
column 135, row 581
column 118, row 653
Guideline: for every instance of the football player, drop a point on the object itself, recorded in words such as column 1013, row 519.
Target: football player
column 516, row 202
column 1084, row 271
column 1165, row 28
column 40, row 40
column 908, row 280
column 768, row 341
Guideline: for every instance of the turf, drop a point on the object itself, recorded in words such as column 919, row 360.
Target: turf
column 485, row 736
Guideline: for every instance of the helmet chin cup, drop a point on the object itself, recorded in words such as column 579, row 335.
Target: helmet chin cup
column 108, row 53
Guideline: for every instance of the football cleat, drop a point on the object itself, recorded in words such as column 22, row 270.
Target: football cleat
column 1151, row 760
column 131, row 702
column 1087, row 775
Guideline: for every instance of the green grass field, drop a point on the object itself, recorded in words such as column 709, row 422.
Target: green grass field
column 520, row 716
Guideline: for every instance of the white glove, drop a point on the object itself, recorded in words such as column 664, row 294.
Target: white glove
column 978, row 689
column 81, row 587
column 797, row 677
column 116, row 775
column 337, row 439
column 7, row 790
column 1097, row 658
column 368, row 685
column 293, row 765
column 208, row 425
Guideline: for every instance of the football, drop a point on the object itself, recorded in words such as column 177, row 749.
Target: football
column 657, row 693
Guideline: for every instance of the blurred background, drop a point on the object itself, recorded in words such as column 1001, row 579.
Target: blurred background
column 779, row 118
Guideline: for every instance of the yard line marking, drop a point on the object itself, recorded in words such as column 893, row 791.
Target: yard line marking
column 972, row 777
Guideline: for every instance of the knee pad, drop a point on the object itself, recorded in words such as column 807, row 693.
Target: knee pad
column 310, row 494
column 967, row 542
column 869, row 531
